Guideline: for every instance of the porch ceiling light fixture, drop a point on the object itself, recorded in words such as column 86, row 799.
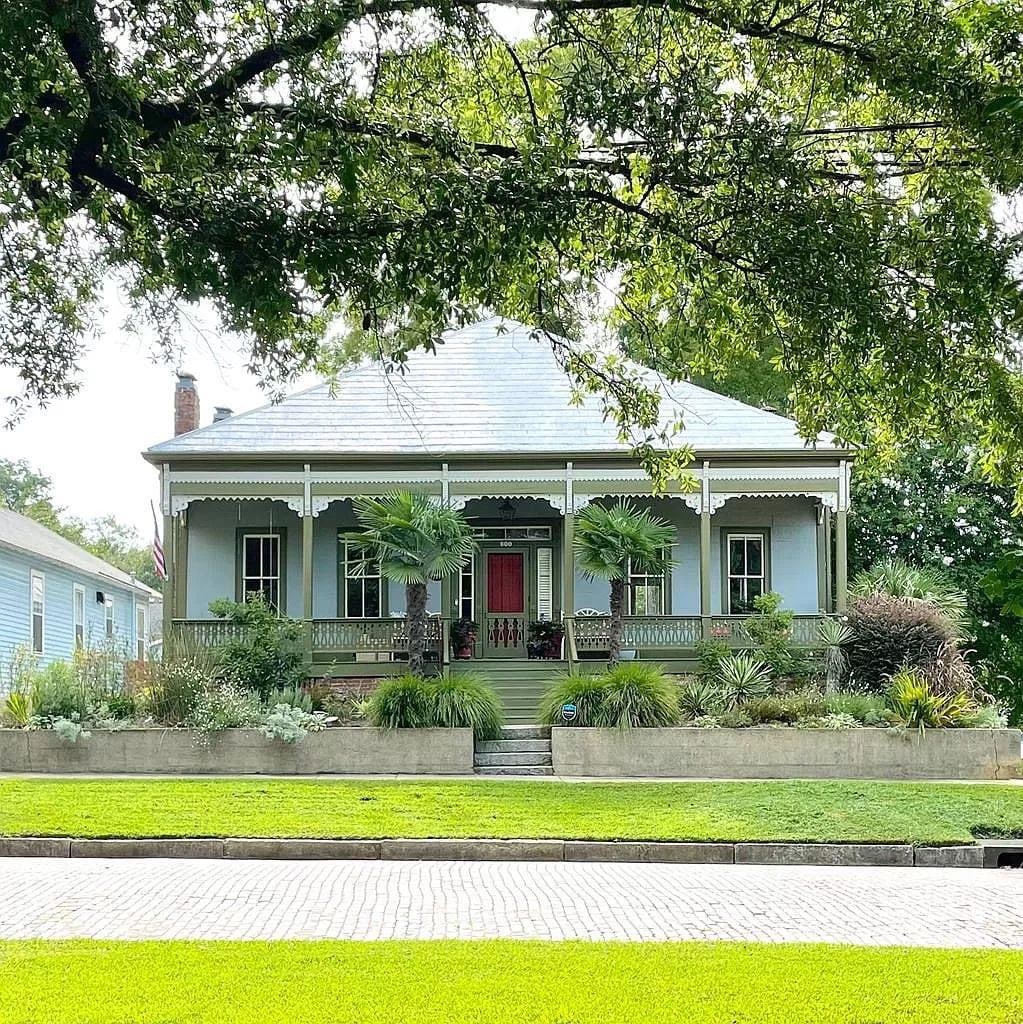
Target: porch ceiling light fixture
column 506, row 510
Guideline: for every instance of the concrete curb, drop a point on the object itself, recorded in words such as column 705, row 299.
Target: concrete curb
column 528, row 850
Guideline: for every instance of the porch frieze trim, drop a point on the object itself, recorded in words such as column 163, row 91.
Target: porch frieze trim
column 777, row 473
column 459, row 501
column 829, row 499
column 179, row 502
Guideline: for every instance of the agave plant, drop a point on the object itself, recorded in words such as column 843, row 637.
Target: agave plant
column 897, row 578
column 698, row 697
column 833, row 633
column 742, row 678
column 911, row 698
column 18, row 709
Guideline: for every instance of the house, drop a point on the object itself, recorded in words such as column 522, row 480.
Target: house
column 260, row 503
column 56, row 597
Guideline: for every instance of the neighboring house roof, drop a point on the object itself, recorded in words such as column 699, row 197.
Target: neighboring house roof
column 494, row 387
column 26, row 535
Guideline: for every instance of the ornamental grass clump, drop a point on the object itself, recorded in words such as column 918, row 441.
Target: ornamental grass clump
column 911, row 698
column 641, row 695
column 404, row 702
column 467, row 701
column 584, row 692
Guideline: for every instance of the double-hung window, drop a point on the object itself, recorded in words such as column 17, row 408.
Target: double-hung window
column 78, row 613
column 466, row 589
column 362, row 588
column 262, row 567
column 38, row 600
column 645, row 593
column 108, row 616
column 141, row 630
column 746, row 561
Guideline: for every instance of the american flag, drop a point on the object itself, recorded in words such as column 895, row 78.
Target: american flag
column 159, row 562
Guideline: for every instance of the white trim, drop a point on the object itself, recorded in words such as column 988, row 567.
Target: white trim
column 545, row 583
column 280, row 579
column 777, row 473
column 76, row 590
column 33, row 575
column 459, row 501
column 180, row 502
column 141, row 641
column 829, row 499
column 109, row 619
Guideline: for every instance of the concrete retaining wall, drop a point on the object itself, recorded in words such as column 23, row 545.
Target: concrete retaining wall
column 358, row 751
column 787, row 753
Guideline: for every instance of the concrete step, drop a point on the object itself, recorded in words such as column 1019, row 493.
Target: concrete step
column 528, row 732
column 523, row 746
column 530, row 759
column 514, row 771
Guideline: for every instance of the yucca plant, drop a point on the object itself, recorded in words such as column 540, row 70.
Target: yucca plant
column 698, row 697
column 18, row 709
column 585, row 692
column 467, row 701
column 404, row 702
column 610, row 540
column 910, row 697
column 833, row 633
column 635, row 694
column 742, row 678
column 413, row 541
column 897, row 578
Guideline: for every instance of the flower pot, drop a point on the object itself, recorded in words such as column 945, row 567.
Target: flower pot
column 626, row 655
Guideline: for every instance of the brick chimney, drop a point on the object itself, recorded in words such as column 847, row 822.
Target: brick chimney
column 186, row 405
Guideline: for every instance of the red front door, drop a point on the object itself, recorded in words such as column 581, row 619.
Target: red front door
column 505, row 593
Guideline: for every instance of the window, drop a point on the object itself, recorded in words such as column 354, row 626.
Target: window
column 746, row 556
column 645, row 594
column 78, row 613
column 362, row 589
column 466, row 589
column 108, row 615
column 38, row 588
column 141, row 631
column 261, row 567
column 512, row 533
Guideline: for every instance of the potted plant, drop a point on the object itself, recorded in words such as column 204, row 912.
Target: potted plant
column 545, row 639
column 463, row 637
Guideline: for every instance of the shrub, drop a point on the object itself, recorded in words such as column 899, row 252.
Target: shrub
column 176, row 689
column 269, row 654
column 56, row 693
column 586, row 692
column 120, row 706
column 891, row 633
column 867, row 708
column 770, row 636
column 289, row 724
column 223, row 705
column 292, row 696
column 69, row 730
column 786, row 709
column 910, row 697
column 710, row 654
column 734, row 719
column 404, row 702
column 467, row 701
column 698, row 697
column 831, row 721
column 635, row 694
column 987, row 716
column 742, row 678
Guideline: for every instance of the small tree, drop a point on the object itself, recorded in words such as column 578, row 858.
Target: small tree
column 610, row 540
column 414, row 541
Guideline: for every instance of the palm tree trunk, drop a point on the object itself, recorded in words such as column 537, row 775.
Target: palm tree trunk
column 617, row 625
column 415, row 613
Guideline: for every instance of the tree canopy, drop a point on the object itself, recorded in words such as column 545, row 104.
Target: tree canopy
column 812, row 179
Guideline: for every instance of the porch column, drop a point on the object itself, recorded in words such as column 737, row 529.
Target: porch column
column 307, row 568
column 823, row 598
column 568, row 566
column 841, row 554
column 181, row 560
column 447, row 606
column 169, row 584
column 705, row 613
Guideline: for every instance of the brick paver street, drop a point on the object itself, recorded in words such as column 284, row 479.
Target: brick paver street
column 178, row 899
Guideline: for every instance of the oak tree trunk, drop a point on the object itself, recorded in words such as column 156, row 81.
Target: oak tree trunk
column 415, row 612
column 617, row 625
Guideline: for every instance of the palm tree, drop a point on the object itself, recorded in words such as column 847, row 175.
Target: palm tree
column 896, row 578
column 414, row 541
column 610, row 541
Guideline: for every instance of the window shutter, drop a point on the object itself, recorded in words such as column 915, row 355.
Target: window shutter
column 544, row 584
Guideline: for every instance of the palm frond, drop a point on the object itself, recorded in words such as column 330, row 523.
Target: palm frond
column 609, row 538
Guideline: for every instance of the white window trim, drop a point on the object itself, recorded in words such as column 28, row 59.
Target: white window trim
column 744, row 535
column 467, row 571
column 141, row 609
column 35, row 574
column 77, row 591
column 109, row 620
column 665, row 579
column 347, row 545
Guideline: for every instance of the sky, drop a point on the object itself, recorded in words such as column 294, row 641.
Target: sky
column 91, row 444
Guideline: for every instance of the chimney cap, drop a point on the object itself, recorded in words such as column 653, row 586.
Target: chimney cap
column 221, row 412
column 186, row 379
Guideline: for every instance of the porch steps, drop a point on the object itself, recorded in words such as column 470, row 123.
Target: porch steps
column 519, row 750
column 519, row 684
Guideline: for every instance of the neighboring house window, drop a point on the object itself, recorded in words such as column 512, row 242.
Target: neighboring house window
column 38, row 588
column 466, row 589
column 141, row 631
column 108, row 615
column 262, row 567
column 645, row 594
column 746, row 559
column 362, row 589
column 78, row 613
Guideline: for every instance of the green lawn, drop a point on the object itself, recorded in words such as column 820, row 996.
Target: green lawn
column 501, row 983
column 924, row 813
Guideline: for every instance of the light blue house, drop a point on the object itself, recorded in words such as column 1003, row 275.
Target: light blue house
column 56, row 597
column 261, row 502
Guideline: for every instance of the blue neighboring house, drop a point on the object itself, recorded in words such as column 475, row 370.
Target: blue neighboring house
column 56, row 596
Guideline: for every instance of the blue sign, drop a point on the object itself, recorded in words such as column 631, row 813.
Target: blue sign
column 568, row 712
